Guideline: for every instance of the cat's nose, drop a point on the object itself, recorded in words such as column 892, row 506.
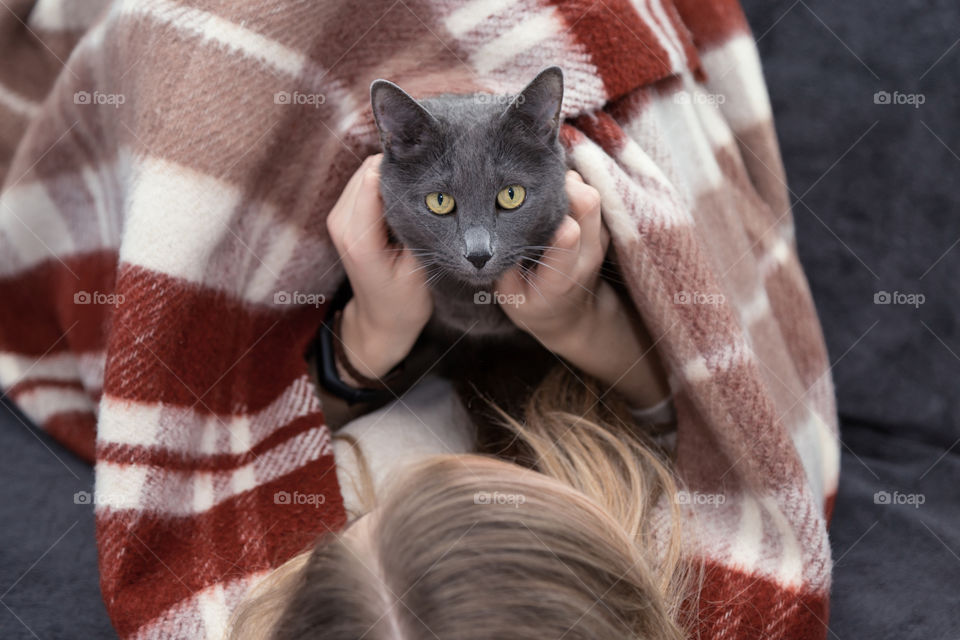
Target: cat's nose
column 477, row 246
column 478, row 259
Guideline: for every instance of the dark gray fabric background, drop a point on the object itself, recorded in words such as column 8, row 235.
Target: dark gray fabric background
column 876, row 200
column 876, row 191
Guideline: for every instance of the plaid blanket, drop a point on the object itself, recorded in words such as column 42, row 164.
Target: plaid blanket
column 167, row 166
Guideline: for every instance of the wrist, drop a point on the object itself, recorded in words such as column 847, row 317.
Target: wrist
column 372, row 350
column 577, row 334
column 609, row 342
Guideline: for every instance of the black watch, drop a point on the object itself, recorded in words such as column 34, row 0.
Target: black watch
column 327, row 373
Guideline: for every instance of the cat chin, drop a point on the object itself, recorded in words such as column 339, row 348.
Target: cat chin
column 474, row 313
column 468, row 284
column 465, row 281
column 464, row 284
column 481, row 326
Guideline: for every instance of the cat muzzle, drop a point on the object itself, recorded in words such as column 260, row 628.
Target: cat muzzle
column 478, row 247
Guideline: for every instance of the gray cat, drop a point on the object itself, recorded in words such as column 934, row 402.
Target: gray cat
column 474, row 186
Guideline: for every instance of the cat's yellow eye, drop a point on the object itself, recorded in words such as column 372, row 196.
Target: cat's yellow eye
column 440, row 203
column 511, row 197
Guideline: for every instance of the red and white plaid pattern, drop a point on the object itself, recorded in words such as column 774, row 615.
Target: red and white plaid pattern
column 167, row 166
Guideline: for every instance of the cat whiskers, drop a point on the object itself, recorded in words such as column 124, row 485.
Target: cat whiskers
column 415, row 252
column 425, row 257
column 544, row 248
column 552, row 268
column 421, row 267
column 526, row 274
column 433, row 277
column 608, row 272
column 433, row 272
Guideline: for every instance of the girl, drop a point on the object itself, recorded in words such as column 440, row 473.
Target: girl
column 448, row 544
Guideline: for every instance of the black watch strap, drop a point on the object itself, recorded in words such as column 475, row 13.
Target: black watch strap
column 327, row 370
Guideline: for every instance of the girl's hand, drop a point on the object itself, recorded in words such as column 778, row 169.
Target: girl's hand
column 578, row 315
column 391, row 303
column 561, row 293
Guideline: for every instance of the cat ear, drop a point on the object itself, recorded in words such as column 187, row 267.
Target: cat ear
column 538, row 105
column 403, row 122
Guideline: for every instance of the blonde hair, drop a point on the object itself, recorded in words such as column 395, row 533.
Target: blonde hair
column 475, row 547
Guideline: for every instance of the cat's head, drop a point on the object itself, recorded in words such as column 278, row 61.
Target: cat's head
column 473, row 183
